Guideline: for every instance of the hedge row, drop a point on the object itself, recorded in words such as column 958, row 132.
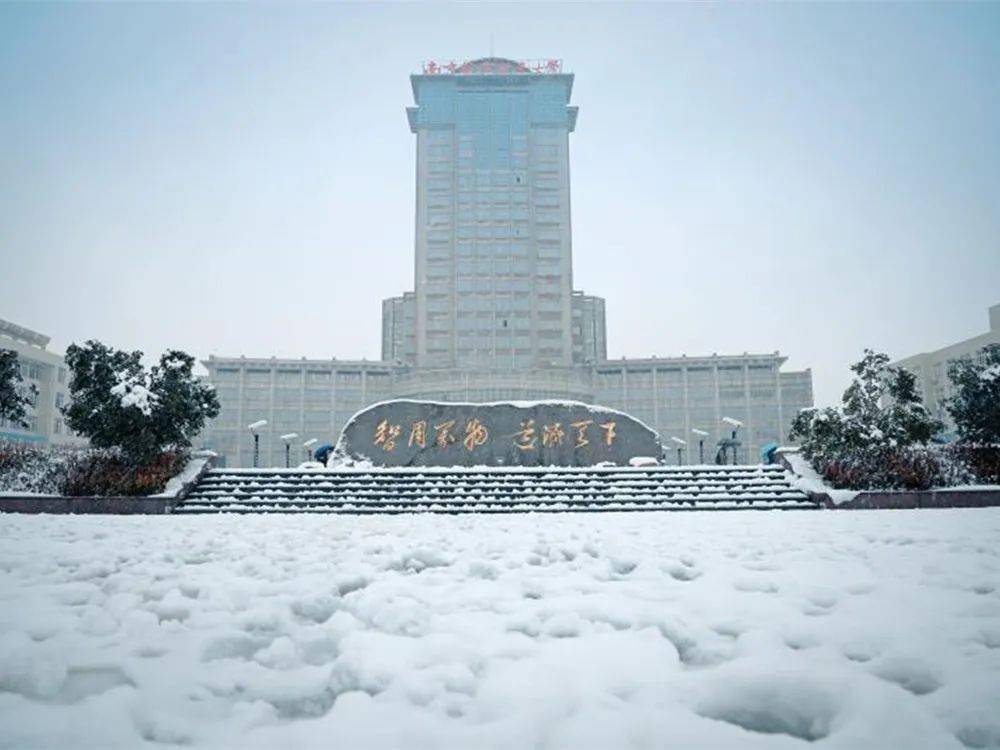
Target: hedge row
column 83, row 472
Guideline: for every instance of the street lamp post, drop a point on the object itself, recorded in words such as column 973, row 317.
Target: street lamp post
column 735, row 424
column 680, row 446
column 287, row 439
column 254, row 427
column 701, row 443
column 307, row 445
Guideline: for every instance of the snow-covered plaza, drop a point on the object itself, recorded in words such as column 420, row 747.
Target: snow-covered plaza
column 695, row 630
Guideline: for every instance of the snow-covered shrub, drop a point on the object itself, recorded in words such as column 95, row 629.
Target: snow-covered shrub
column 111, row 473
column 975, row 407
column 982, row 460
column 906, row 468
column 54, row 470
column 25, row 467
column 118, row 404
column 877, row 437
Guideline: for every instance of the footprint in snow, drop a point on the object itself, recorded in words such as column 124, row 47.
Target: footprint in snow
column 910, row 673
column 758, row 585
column 684, row 570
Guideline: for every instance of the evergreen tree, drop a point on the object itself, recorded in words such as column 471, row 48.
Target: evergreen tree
column 880, row 408
column 975, row 407
column 15, row 397
column 117, row 403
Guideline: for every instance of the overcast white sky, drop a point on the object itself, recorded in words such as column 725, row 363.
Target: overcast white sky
column 235, row 179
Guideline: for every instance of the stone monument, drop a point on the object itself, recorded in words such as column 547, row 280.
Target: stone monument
column 518, row 433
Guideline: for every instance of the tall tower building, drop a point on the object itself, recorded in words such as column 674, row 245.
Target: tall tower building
column 493, row 314
column 493, row 272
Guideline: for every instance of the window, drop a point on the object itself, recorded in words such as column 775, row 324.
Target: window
column 258, row 377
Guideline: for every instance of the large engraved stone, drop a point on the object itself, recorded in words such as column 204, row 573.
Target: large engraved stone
column 522, row 433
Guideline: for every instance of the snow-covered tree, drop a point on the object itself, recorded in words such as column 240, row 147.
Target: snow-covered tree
column 975, row 407
column 117, row 403
column 15, row 396
column 863, row 421
column 873, row 438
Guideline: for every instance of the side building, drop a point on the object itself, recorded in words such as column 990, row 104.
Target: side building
column 931, row 368
column 47, row 372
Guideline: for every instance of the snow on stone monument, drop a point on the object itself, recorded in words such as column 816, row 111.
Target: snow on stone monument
column 518, row 433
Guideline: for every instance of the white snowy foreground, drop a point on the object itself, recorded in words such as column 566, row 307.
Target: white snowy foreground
column 700, row 630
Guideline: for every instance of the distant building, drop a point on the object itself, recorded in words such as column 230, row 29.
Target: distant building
column 931, row 368
column 315, row 398
column 47, row 372
column 493, row 314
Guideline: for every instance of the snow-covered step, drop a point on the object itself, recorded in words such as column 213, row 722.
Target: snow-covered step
column 500, row 490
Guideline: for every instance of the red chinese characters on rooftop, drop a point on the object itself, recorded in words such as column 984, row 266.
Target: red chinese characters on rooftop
column 492, row 66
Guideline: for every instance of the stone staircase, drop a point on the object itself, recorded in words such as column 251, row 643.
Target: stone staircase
column 494, row 490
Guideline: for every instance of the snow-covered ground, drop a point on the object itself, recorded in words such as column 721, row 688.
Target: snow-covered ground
column 701, row 630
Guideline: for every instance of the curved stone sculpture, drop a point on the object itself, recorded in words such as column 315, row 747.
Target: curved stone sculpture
column 519, row 433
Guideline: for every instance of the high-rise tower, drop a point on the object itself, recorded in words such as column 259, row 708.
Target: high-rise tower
column 493, row 273
column 493, row 315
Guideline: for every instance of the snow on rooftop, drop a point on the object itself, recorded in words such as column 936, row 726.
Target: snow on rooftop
column 715, row 630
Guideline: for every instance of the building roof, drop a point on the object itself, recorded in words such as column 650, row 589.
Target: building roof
column 22, row 334
column 501, row 68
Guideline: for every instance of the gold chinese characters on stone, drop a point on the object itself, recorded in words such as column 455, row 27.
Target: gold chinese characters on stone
column 543, row 433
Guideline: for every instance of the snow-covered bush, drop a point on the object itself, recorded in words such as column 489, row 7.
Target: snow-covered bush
column 25, row 467
column 110, row 473
column 901, row 468
column 15, row 396
column 118, row 404
column 975, row 407
column 54, row 470
column 877, row 438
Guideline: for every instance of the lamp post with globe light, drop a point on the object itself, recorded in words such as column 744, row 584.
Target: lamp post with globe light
column 307, row 446
column 254, row 427
column 732, row 442
column 287, row 440
column 702, row 434
column 680, row 447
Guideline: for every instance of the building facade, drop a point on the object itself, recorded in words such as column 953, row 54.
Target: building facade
column 47, row 372
column 931, row 368
column 493, row 314
column 493, row 249
column 315, row 398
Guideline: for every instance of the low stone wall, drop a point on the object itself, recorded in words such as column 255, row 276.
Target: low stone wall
column 110, row 505
column 986, row 497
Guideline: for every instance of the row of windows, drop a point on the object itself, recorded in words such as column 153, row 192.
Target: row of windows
column 539, row 135
column 263, row 376
column 34, row 370
column 486, row 213
column 515, row 146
